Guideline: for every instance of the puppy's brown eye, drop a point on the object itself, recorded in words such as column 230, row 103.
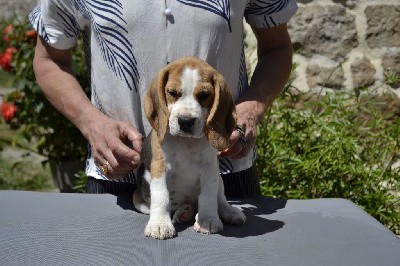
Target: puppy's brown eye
column 203, row 95
column 173, row 93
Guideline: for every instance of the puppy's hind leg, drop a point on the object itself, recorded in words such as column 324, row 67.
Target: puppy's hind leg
column 139, row 203
column 183, row 214
column 228, row 213
column 141, row 196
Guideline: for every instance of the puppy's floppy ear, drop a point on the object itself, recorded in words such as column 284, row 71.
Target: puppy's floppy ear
column 155, row 105
column 222, row 118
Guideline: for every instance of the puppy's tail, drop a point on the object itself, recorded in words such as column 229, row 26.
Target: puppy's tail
column 139, row 203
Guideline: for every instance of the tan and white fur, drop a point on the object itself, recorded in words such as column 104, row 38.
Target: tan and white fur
column 193, row 115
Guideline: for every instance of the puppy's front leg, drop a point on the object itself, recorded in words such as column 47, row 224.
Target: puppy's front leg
column 207, row 219
column 160, row 224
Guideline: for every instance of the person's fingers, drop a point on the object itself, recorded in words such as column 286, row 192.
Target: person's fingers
column 232, row 151
column 113, row 151
column 135, row 138
column 241, row 144
column 246, row 148
column 232, row 143
column 99, row 151
column 120, row 150
column 113, row 168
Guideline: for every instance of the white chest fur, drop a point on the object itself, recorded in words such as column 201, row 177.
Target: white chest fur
column 188, row 162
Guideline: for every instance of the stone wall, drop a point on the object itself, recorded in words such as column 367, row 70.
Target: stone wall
column 343, row 45
column 11, row 8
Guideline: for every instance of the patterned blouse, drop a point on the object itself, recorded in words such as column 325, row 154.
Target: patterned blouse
column 128, row 41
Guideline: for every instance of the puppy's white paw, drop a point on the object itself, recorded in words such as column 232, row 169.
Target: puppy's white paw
column 208, row 225
column 184, row 214
column 232, row 215
column 160, row 229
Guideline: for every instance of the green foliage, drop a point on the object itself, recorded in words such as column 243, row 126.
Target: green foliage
column 56, row 137
column 337, row 145
column 6, row 79
column 392, row 78
column 23, row 175
column 80, row 183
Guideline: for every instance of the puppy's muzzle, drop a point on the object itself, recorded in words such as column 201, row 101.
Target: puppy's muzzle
column 186, row 123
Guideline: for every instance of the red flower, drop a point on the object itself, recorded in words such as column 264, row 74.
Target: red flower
column 31, row 34
column 6, row 57
column 6, row 31
column 11, row 50
column 8, row 110
column 5, row 61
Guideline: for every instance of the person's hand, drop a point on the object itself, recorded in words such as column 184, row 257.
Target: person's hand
column 116, row 146
column 243, row 138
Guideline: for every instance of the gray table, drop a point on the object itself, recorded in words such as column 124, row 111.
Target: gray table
column 79, row 229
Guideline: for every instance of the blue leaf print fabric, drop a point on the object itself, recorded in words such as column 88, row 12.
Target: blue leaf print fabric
column 266, row 7
column 115, row 48
column 269, row 13
column 221, row 8
column 35, row 18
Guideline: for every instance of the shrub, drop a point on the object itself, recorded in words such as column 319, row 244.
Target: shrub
column 55, row 136
column 337, row 146
column 24, row 175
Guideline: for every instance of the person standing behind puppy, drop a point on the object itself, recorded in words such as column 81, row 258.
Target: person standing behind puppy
column 127, row 42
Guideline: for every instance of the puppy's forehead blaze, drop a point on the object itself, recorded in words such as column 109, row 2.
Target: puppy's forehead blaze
column 198, row 77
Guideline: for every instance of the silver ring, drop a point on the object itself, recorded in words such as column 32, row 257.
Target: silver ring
column 241, row 129
column 242, row 142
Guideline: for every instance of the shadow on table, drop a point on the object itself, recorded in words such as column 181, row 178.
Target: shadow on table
column 255, row 210
column 256, row 224
column 125, row 202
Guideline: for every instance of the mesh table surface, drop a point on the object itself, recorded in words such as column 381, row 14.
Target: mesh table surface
column 81, row 229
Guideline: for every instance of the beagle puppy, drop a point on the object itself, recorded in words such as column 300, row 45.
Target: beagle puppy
column 192, row 114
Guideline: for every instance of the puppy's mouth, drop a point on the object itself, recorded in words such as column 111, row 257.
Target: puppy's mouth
column 187, row 127
column 189, row 134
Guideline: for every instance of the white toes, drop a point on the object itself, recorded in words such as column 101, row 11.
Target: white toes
column 208, row 225
column 232, row 215
column 160, row 229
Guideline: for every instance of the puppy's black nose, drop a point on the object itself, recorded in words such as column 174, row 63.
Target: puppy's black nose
column 186, row 123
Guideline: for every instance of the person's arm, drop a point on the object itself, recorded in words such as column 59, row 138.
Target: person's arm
column 112, row 141
column 269, row 78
